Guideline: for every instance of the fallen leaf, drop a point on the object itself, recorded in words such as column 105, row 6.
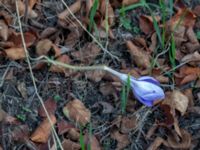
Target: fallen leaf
column 128, row 124
column 129, row 2
column 153, row 45
column 180, row 101
column 32, row 3
column 43, row 47
column 50, row 105
column 105, row 7
column 96, row 75
column 20, row 133
column 3, row 30
column 156, row 144
column 183, row 143
column 29, row 38
column 63, row 127
column 141, row 58
column 22, row 8
column 76, row 111
column 43, row 131
column 21, row 86
column 70, row 145
column 151, row 131
column 191, row 57
column 73, row 8
column 73, row 134
column 88, row 53
column 122, row 139
column 92, row 142
column 15, row 53
column 46, row 33
column 146, row 23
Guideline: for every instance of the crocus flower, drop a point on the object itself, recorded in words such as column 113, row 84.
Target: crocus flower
column 146, row 89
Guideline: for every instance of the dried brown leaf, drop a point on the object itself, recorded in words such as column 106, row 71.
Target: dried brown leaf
column 156, row 144
column 73, row 8
column 22, row 8
column 50, row 106
column 3, row 30
column 43, row 47
column 76, row 111
column 122, row 139
column 197, row 10
column 15, row 53
column 29, row 38
column 180, row 101
column 96, row 75
column 184, row 143
column 92, row 141
column 88, row 53
column 140, row 57
column 43, row 131
column 191, row 57
column 129, row 2
column 146, row 23
column 128, row 124
column 70, row 145
column 63, row 127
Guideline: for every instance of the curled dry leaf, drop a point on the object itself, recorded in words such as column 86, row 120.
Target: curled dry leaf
column 3, row 30
column 50, row 106
column 74, row 8
column 92, row 142
column 22, row 8
column 76, row 111
column 15, row 53
column 43, row 131
column 70, row 145
column 183, row 143
column 140, row 57
column 122, row 139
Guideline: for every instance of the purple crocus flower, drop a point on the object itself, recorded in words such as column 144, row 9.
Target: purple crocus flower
column 146, row 89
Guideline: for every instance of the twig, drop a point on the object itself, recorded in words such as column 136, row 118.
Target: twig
column 32, row 77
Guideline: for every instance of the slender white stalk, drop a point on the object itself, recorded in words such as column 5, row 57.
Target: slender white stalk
column 121, row 76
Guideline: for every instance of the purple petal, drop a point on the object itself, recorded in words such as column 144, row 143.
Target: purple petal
column 149, row 79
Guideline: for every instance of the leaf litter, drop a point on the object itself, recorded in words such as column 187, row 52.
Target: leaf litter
column 75, row 100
